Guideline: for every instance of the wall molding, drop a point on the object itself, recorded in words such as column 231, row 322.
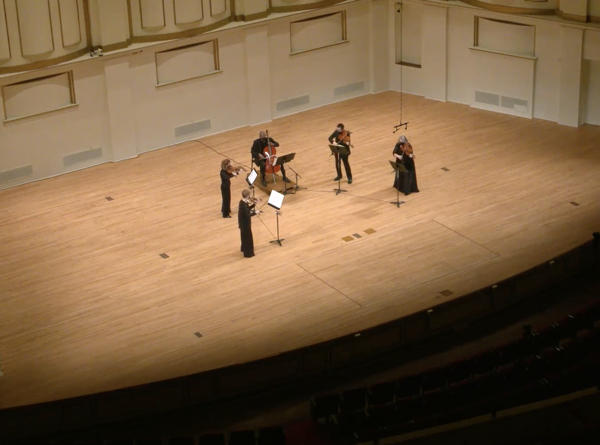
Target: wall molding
column 509, row 9
column 303, row 7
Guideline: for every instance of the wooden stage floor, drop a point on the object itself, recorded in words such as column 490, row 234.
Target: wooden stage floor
column 87, row 304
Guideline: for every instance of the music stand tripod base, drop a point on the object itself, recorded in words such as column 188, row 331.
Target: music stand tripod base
column 339, row 150
column 398, row 168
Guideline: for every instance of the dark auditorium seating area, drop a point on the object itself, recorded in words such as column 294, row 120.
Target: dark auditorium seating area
column 561, row 358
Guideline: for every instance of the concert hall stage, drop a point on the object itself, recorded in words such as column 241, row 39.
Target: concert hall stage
column 126, row 273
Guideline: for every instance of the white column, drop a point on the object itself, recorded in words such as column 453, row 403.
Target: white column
column 380, row 46
column 120, row 108
column 571, row 51
column 434, row 51
column 258, row 75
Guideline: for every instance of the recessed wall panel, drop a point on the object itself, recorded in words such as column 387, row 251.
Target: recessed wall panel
column 506, row 37
column 217, row 7
column 186, row 63
column 4, row 43
column 317, row 32
column 69, row 22
column 152, row 13
column 37, row 96
column 188, row 11
column 35, row 28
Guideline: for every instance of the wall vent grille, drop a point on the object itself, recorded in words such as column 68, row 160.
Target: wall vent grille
column 293, row 102
column 16, row 173
column 192, row 128
column 351, row 87
column 81, row 156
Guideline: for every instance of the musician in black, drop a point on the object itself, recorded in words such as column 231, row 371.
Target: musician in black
column 407, row 182
column 245, row 223
column 341, row 136
column 226, row 174
column 259, row 157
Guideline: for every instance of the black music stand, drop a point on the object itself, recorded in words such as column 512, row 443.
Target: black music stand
column 281, row 160
column 250, row 178
column 398, row 168
column 276, row 201
column 339, row 150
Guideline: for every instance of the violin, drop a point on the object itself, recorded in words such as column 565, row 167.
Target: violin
column 344, row 138
column 234, row 170
column 269, row 153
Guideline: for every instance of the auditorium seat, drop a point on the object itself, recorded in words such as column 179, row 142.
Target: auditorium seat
column 271, row 436
column 353, row 400
column 245, row 437
column 153, row 441
column 181, row 440
column 408, row 386
column 211, row 439
column 381, row 393
column 322, row 407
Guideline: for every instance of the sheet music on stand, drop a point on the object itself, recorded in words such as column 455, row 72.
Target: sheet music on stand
column 251, row 177
column 276, row 199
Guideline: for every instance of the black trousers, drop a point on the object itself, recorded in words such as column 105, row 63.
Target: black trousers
column 261, row 163
column 226, row 195
column 346, row 166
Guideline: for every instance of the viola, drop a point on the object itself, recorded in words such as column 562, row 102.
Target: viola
column 269, row 153
column 344, row 138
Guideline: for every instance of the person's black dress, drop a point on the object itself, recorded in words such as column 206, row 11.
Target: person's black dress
column 245, row 223
column 407, row 181
column 226, row 193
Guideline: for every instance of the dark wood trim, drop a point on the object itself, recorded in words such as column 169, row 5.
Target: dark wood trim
column 88, row 24
column 574, row 18
column 251, row 17
column 303, row 7
column 594, row 19
column 509, row 9
column 412, row 65
column 43, row 63
column 116, row 46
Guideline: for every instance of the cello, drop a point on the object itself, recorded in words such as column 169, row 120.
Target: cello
column 269, row 152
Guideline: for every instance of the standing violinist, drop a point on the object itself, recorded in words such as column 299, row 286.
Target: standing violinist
column 341, row 136
column 228, row 171
column 245, row 223
column 260, row 157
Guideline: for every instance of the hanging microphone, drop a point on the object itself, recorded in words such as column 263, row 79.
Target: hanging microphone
column 397, row 127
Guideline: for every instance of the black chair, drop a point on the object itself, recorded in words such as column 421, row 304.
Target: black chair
column 383, row 416
column 408, row 387
column 211, row 439
column 434, row 379
column 149, row 441
column 271, row 436
column 246, row 437
column 182, row 440
column 322, row 407
column 353, row 400
column 119, row 442
column 381, row 393
column 352, row 423
column 483, row 363
column 459, row 371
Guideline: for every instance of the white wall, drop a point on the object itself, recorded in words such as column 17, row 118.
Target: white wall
column 555, row 87
column 122, row 111
column 43, row 140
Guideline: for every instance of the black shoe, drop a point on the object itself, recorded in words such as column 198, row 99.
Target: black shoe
column 264, row 183
column 337, row 178
column 349, row 181
column 285, row 179
column 228, row 216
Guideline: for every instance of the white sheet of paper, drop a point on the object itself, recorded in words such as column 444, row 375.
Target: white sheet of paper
column 251, row 177
column 276, row 199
